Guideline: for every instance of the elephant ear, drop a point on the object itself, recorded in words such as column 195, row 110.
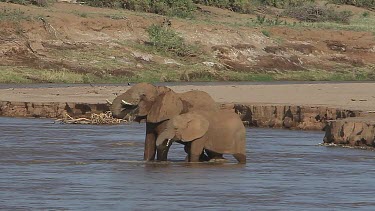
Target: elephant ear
column 191, row 126
column 165, row 107
column 144, row 105
column 163, row 89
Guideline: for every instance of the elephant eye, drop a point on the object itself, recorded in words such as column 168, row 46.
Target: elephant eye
column 142, row 96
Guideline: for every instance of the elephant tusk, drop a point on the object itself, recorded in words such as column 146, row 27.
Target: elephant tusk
column 109, row 102
column 125, row 103
column 169, row 142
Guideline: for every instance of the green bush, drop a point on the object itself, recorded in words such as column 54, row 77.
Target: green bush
column 179, row 8
column 245, row 6
column 23, row 2
column 40, row 3
column 13, row 15
column 357, row 3
column 138, row 5
column 316, row 13
column 266, row 33
column 365, row 14
column 242, row 6
column 108, row 3
column 165, row 39
column 285, row 3
column 262, row 20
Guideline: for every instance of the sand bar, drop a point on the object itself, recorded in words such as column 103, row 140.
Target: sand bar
column 357, row 96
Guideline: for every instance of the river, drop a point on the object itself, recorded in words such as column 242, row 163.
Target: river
column 47, row 166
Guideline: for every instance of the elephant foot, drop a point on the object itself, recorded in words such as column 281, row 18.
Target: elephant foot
column 203, row 157
column 241, row 158
column 218, row 160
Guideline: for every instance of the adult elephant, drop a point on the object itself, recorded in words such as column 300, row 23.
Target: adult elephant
column 158, row 104
column 222, row 133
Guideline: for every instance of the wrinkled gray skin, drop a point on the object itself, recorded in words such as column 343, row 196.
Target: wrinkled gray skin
column 221, row 132
column 158, row 104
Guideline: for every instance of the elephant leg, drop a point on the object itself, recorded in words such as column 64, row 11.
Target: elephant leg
column 150, row 144
column 187, row 150
column 214, row 155
column 202, row 157
column 241, row 158
column 196, row 150
column 187, row 147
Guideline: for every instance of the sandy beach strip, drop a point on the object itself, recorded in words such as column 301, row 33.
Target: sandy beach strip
column 358, row 96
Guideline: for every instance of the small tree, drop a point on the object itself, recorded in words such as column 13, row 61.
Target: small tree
column 165, row 39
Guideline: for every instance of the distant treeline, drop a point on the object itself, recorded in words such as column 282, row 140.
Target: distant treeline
column 358, row 3
column 185, row 8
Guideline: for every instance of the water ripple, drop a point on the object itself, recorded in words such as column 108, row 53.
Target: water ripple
column 46, row 166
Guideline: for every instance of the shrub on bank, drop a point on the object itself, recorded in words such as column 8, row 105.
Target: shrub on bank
column 179, row 8
column 164, row 39
column 104, row 3
column 13, row 15
column 316, row 13
column 242, row 6
column 40, row 3
column 358, row 3
column 286, row 3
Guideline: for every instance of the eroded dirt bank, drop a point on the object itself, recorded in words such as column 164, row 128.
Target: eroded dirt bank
column 275, row 116
column 86, row 44
column 294, row 106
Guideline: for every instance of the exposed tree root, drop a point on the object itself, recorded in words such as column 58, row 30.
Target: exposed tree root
column 96, row 119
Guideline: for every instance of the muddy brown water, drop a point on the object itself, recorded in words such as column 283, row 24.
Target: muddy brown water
column 46, row 166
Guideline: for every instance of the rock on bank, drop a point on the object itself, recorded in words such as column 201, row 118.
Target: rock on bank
column 356, row 132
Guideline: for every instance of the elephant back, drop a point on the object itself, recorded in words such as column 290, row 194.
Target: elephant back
column 170, row 104
column 226, row 133
column 197, row 100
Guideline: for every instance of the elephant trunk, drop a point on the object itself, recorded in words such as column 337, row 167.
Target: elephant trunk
column 166, row 135
column 121, row 106
column 162, row 152
column 163, row 143
column 117, row 111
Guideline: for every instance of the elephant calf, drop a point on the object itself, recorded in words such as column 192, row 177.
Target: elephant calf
column 220, row 132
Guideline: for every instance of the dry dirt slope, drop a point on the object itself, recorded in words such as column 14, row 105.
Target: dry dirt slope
column 112, row 45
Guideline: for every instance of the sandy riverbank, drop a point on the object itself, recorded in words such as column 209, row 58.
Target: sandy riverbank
column 356, row 96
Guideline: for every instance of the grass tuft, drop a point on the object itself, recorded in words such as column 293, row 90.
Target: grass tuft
column 15, row 15
column 164, row 39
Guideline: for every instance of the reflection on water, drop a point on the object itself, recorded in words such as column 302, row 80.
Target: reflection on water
column 45, row 166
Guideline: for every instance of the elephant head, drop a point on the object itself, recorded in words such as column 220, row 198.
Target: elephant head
column 138, row 100
column 185, row 127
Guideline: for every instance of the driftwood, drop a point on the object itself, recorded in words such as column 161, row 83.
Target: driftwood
column 96, row 119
